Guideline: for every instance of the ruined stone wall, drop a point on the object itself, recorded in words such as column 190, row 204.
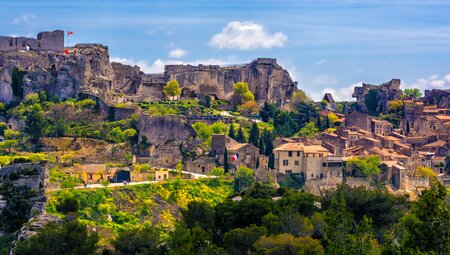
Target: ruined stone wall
column 388, row 91
column 46, row 41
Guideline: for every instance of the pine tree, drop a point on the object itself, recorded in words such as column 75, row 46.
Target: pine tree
column 253, row 136
column 319, row 123
column 232, row 133
column 240, row 135
column 225, row 161
column 327, row 123
column 261, row 145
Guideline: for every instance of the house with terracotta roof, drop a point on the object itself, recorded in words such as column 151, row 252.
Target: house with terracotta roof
column 311, row 161
column 439, row 147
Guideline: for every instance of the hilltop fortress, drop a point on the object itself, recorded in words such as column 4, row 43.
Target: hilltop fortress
column 32, row 65
column 46, row 41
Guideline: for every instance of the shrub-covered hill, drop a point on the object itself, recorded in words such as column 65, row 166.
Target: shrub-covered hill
column 110, row 210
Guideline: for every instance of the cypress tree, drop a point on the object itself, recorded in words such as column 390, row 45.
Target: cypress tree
column 327, row 123
column 407, row 128
column 319, row 123
column 253, row 136
column 261, row 145
column 232, row 133
column 268, row 143
column 240, row 136
column 225, row 161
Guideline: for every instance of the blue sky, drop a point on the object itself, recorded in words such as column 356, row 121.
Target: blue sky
column 328, row 46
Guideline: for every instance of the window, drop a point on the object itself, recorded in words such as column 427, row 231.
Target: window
column 285, row 162
column 324, row 164
column 298, row 154
column 288, row 171
column 312, row 175
column 296, row 162
column 90, row 177
column 203, row 169
column 290, row 153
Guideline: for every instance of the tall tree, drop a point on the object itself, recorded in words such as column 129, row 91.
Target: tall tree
column 225, row 161
column 319, row 123
column 231, row 132
column 267, row 111
column 172, row 89
column 248, row 108
column 408, row 128
column 34, row 122
column 268, row 150
column 253, row 136
column 240, row 135
column 261, row 145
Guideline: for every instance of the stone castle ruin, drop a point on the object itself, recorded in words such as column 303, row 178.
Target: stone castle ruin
column 387, row 91
column 45, row 41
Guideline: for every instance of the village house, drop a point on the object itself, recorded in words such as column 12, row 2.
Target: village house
column 381, row 127
column 239, row 154
column 161, row 174
column 311, row 161
column 204, row 165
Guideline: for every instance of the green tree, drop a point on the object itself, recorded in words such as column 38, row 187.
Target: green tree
column 253, row 136
column 240, row 135
column 241, row 93
column 199, row 214
column 261, row 145
column 240, row 240
column 367, row 166
column 71, row 238
column 426, row 229
column 35, row 122
column 232, row 132
column 371, row 100
column 187, row 241
column 447, row 164
column 3, row 127
column 172, row 89
column 287, row 244
column 308, row 130
column 138, row 240
column 284, row 124
column 412, row 93
column 268, row 150
column 268, row 111
column 225, row 161
column 244, row 178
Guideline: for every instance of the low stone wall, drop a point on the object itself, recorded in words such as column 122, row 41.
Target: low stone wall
column 412, row 183
column 358, row 182
column 321, row 186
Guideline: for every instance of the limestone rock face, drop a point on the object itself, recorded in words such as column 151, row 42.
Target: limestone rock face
column 440, row 97
column 388, row 91
column 86, row 68
column 128, row 78
column 161, row 129
column 266, row 78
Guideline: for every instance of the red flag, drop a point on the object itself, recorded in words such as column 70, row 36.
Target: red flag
column 66, row 51
column 69, row 33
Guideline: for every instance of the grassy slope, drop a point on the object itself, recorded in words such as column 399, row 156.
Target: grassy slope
column 114, row 209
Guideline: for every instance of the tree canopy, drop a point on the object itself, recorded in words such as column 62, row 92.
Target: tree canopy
column 172, row 89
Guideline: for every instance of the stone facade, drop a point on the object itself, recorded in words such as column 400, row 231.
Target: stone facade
column 46, row 41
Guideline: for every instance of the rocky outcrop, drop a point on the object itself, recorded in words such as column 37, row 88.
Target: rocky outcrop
column 162, row 129
column 86, row 68
column 387, row 91
column 439, row 97
column 169, row 139
column 266, row 78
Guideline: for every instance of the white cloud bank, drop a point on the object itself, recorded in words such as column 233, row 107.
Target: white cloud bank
column 177, row 53
column 24, row 18
column 435, row 81
column 247, row 36
column 339, row 94
column 158, row 65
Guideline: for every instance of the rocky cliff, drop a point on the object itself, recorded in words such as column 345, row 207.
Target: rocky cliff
column 266, row 78
column 169, row 138
column 387, row 91
column 86, row 68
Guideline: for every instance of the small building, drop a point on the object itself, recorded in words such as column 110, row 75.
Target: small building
column 93, row 173
column 381, row 127
column 203, row 165
column 161, row 175
column 239, row 154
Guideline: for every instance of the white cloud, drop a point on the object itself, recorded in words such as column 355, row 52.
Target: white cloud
column 158, row 65
column 433, row 82
column 324, row 80
column 247, row 36
column 177, row 53
column 321, row 62
column 339, row 94
column 24, row 18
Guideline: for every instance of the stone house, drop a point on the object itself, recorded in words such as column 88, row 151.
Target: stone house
column 381, row 127
column 203, row 165
column 439, row 147
column 311, row 161
column 362, row 121
column 239, row 154
column 161, row 174
column 368, row 142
